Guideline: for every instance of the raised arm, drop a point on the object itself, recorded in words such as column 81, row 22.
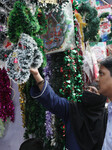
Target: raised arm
column 48, row 98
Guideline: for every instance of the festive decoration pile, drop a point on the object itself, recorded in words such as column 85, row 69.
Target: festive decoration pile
column 25, row 55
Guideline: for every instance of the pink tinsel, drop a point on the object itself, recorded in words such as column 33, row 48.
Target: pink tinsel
column 6, row 104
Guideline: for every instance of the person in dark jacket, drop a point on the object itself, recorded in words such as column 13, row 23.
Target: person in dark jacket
column 85, row 121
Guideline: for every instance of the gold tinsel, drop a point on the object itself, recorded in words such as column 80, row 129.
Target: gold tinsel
column 81, row 26
column 22, row 100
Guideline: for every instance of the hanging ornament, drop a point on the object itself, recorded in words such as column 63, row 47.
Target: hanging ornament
column 25, row 55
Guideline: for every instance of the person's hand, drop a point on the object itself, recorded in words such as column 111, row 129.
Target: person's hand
column 34, row 71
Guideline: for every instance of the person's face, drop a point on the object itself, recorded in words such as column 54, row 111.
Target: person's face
column 104, row 82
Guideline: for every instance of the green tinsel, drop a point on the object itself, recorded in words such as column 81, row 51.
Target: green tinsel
column 43, row 22
column 89, row 14
column 104, row 15
column 21, row 21
column 56, row 80
column 34, row 114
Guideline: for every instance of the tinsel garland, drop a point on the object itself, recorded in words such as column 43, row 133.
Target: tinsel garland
column 22, row 100
column 21, row 21
column 48, row 122
column 26, row 55
column 34, row 114
column 89, row 14
column 43, row 22
column 72, row 69
column 4, row 53
column 56, row 80
column 6, row 104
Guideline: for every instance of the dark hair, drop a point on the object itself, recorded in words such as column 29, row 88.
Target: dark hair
column 107, row 63
column 32, row 144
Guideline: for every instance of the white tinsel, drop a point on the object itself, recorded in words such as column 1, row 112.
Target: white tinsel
column 25, row 55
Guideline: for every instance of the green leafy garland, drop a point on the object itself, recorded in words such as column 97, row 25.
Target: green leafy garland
column 34, row 114
column 89, row 14
column 56, row 79
column 43, row 22
column 21, row 21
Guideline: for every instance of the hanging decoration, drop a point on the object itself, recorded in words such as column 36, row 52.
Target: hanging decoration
column 8, row 4
column 20, row 21
column 20, row 60
column 42, row 19
column 81, row 26
column 105, row 26
column 59, row 36
column 22, row 100
column 72, row 69
column 48, row 122
column 89, row 16
column 6, row 104
column 3, row 23
column 56, row 61
column 51, row 5
column 34, row 114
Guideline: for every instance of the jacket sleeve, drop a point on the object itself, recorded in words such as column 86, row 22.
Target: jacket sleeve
column 51, row 101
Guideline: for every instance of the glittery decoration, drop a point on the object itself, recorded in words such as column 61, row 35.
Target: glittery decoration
column 48, row 122
column 6, row 104
column 56, row 80
column 34, row 114
column 22, row 100
column 72, row 69
column 25, row 55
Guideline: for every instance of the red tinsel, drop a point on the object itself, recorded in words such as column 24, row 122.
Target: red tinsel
column 6, row 104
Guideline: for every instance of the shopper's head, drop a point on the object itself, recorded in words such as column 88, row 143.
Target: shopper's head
column 32, row 144
column 105, row 77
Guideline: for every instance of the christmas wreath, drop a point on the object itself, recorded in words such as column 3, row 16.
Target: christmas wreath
column 89, row 15
column 25, row 55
